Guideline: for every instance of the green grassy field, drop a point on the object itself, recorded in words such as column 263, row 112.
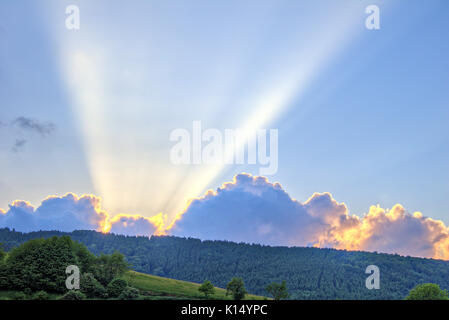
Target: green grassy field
column 164, row 288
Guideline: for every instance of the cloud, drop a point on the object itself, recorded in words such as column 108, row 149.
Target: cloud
column 70, row 212
column 396, row 231
column 66, row 213
column 44, row 129
column 29, row 124
column 250, row 209
column 135, row 225
column 18, row 145
column 253, row 210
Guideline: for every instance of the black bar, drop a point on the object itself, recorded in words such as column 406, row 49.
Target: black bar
column 257, row 310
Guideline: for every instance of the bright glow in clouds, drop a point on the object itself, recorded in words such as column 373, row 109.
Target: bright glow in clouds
column 250, row 209
column 132, row 225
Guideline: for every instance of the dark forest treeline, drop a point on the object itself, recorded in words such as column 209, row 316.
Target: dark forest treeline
column 310, row 273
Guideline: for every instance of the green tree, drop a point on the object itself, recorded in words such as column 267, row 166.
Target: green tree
column 2, row 253
column 40, row 264
column 3, row 272
column 91, row 287
column 86, row 260
column 207, row 288
column 278, row 290
column 427, row 291
column 116, row 287
column 109, row 267
column 236, row 288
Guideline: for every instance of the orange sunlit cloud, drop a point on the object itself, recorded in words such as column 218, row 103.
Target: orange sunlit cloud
column 250, row 209
column 136, row 225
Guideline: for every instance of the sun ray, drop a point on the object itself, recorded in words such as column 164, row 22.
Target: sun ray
column 129, row 165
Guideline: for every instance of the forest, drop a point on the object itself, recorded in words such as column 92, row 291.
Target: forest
column 310, row 273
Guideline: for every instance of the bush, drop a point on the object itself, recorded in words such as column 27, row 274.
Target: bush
column 91, row 287
column 19, row 296
column 116, row 287
column 41, row 295
column 73, row 295
column 28, row 291
column 427, row 291
column 129, row 293
column 207, row 288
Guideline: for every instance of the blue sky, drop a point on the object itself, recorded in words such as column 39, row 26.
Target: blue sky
column 361, row 114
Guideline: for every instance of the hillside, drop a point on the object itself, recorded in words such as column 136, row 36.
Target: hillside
column 156, row 288
column 311, row 273
column 165, row 288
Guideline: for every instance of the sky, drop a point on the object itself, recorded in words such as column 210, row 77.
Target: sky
column 361, row 115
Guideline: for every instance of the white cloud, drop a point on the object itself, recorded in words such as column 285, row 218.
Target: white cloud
column 70, row 212
column 250, row 209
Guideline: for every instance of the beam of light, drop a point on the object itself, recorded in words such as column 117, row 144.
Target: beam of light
column 288, row 82
column 125, row 173
column 121, row 171
column 110, row 102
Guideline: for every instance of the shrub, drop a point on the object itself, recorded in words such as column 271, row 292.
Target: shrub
column 73, row 295
column 19, row 296
column 28, row 291
column 91, row 287
column 129, row 293
column 41, row 295
column 116, row 287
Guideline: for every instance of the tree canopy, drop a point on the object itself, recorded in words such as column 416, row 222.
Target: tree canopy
column 278, row 290
column 40, row 265
column 236, row 288
column 207, row 288
column 427, row 291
